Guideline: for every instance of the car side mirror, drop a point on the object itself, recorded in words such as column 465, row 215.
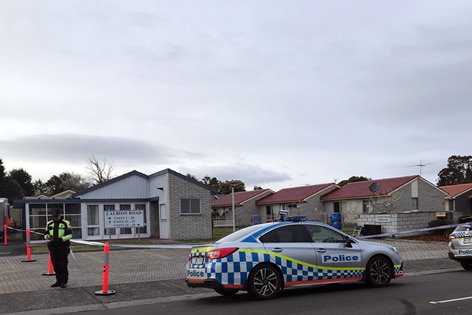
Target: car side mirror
column 349, row 242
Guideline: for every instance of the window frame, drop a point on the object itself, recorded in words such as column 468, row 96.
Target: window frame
column 191, row 203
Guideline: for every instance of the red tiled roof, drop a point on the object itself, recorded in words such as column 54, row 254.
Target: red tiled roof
column 456, row 190
column 239, row 198
column 355, row 190
column 295, row 194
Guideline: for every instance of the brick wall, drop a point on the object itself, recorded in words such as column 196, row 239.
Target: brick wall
column 194, row 226
column 397, row 222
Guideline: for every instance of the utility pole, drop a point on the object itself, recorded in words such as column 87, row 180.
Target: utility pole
column 232, row 203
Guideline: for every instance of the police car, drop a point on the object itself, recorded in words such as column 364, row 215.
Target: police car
column 264, row 259
column 460, row 245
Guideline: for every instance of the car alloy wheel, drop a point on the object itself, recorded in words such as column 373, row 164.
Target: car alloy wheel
column 378, row 272
column 264, row 282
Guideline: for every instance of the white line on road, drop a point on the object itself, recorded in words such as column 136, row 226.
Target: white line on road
column 451, row 300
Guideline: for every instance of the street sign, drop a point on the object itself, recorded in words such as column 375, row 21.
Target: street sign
column 123, row 218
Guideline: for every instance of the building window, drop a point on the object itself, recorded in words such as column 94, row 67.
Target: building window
column 365, row 206
column 292, row 205
column 189, row 206
column 72, row 213
column 38, row 217
column 337, row 206
column 93, row 222
column 414, row 203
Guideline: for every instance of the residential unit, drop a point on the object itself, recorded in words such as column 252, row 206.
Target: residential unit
column 459, row 198
column 245, row 210
column 384, row 196
column 173, row 206
column 303, row 200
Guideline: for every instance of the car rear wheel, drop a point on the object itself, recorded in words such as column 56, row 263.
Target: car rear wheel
column 226, row 292
column 264, row 282
column 467, row 265
column 379, row 272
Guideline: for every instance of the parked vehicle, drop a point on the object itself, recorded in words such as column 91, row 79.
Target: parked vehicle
column 265, row 259
column 460, row 245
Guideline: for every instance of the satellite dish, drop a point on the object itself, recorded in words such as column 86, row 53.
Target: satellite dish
column 374, row 187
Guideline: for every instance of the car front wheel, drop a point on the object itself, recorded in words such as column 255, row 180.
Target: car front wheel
column 264, row 282
column 379, row 272
column 467, row 265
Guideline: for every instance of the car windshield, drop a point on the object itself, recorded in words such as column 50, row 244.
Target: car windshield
column 239, row 234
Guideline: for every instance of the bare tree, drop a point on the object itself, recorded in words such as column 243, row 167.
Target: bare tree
column 100, row 171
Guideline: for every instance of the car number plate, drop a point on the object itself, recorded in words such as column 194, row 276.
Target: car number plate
column 197, row 260
column 468, row 240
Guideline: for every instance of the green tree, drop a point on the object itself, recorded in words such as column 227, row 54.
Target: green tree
column 353, row 179
column 192, row 176
column 458, row 171
column 221, row 187
column 2, row 180
column 213, row 182
column 40, row 188
column 13, row 190
column 23, row 178
column 65, row 181
column 75, row 182
column 54, row 185
column 226, row 186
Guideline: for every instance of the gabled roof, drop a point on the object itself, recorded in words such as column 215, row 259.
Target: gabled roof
column 240, row 198
column 295, row 194
column 186, row 178
column 454, row 191
column 63, row 195
column 109, row 182
column 136, row 173
column 357, row 190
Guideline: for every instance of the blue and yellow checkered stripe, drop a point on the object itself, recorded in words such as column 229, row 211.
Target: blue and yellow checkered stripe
column 235, row 269
column 462, row 234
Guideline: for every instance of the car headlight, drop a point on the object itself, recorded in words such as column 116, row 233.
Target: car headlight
column 394, row 249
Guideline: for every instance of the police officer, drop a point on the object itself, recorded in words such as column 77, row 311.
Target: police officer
column 58, row 235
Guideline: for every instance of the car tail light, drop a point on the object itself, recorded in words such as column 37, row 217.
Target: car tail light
column 451, row 237
column 221, row 252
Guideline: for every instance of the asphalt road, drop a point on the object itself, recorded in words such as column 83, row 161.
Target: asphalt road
column 423, row 294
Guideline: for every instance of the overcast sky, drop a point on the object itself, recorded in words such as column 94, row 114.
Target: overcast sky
column 274, row 93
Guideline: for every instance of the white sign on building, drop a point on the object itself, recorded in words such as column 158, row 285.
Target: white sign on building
column 123, row 218
column 385, row 218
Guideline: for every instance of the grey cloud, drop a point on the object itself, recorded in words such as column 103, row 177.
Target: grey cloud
column 251, row 175
column 79, row 148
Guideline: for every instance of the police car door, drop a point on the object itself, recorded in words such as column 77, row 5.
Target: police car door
column 289, row 243
column 333, row 254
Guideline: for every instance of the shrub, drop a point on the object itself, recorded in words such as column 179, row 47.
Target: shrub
column 441, row 222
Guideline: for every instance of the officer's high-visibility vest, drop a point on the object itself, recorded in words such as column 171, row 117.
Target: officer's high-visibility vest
column 63, row 231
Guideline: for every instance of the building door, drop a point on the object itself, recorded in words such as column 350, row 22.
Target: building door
column 163, row 222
